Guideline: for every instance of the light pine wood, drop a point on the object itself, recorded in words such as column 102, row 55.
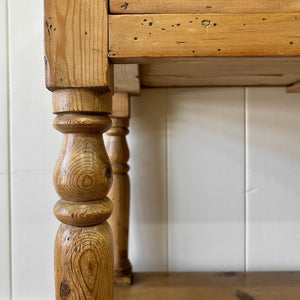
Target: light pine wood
column 83, row 262
column 126, row 79
column 136, row 38
column 202, row 6
column 226, row 71
column 76, row 44
column 77, row 100
column 82, row 178
column 78, row 73
column 118, row 151
column 294, row 88
column 121, row 106
column 213, row 286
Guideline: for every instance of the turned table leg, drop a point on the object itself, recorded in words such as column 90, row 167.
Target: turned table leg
column 82, row 178
column 118, row 151
column 78, row 74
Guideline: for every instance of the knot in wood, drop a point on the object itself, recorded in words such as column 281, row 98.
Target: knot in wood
column 82, row 172
column 65, row 290
column 108, row 171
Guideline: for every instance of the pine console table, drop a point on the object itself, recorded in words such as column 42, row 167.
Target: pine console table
column 98, row 53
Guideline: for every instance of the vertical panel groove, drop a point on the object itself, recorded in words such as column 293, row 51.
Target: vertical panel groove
column 9, row 147
column 206, row 179
column 273, row 207
column 5, row 253
column 245, row 181
column 167, row 178
column 147, row 142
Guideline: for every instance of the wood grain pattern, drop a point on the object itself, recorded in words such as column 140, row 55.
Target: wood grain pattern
column 81, row 100
column 78, row 71
column 83, row 262
column 224, row 71
column 202, row 6
column 126, row 79
column 118, row 151
column 134, row 38
column 121, row 106
column 82, row 178
column 76, row 44
column 214, row 286
column 83, row 170
column 82, row 213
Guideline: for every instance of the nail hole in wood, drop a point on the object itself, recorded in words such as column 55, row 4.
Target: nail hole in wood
column 205, row 23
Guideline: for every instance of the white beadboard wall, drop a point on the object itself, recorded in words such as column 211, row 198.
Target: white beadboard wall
column 5, row 274
column 215, row 173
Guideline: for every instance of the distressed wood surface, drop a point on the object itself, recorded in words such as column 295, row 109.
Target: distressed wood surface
column 78, row 73
column 213, row 286
column 118, row 151
column 202, row 6
column 226, row 71
column 76, row 44
column 134, row 38
column 126, row 79
column 78, row 100
column 82, row 178
column 83, row 262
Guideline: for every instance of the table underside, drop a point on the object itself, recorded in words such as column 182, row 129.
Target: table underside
column 208, row 43
column 236, row 71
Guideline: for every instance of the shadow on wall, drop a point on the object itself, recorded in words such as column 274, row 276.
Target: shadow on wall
column 188, row 172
